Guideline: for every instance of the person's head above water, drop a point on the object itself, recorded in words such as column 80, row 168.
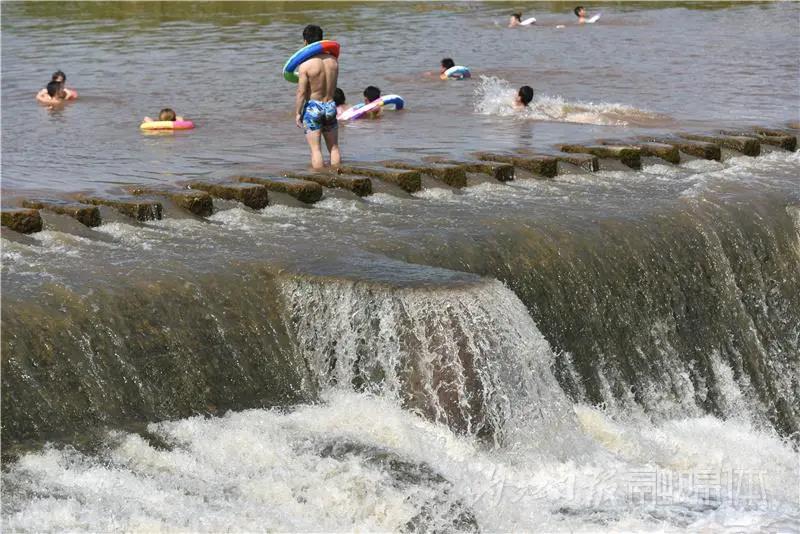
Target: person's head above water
column 166, row 114
column 338, row 97
column 447, row 63
column 59, row 76
column 517, row 17
column 579, row 12
column 55, row 90
column 312, row 33
column 525, row 95
column 371, row 94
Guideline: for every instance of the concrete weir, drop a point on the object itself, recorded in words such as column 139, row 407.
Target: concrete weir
column 767, row 136
column 137, row 208
column 746, row 145
column 408, row 180
column 542, row 165
column 587, row 162
column 651, row 149
column 502, row 172
column 253, row 196
column 628, row 155
column 24, row 221
column 360, row 185
column 196, row 202
column 86, row 215
column 307, row 186
column 451, row 174
column 303, row 190
column 698, row 149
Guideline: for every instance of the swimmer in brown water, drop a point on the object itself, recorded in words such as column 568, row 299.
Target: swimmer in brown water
column 165, row 114
column 64, row 93
column 523, row 98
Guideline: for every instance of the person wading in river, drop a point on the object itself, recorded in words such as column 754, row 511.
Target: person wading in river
column 315, row 110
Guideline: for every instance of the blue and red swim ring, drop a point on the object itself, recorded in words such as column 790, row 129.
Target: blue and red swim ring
column 306, row 53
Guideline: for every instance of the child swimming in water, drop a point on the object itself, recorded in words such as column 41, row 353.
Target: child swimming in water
column 63, row 93
column 53, row 94
column 448, row 63
column 339, row 100
column 372, row 94
column 165, row 114
column 581, row 14
column 523, row 98
column 515, row 20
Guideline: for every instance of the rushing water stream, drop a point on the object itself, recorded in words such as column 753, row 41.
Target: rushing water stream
column 617, row 350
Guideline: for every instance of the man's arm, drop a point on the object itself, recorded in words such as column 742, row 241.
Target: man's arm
column 303, row 92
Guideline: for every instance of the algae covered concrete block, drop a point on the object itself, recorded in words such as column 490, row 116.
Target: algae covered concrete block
column 452, row 175
column 24, row 221
column 139, row 209
column 84, row 214
column 774, row 138
column 253, row 196
column 360, row 185
column 408, row 180
column 586, row 162
column 303, row 190
column 780, row 138
column 746, row 145
column 502, row 172
column 628, row 155
column 664, row 151
column 543, row 165
column 698, row 149
column 196, row 202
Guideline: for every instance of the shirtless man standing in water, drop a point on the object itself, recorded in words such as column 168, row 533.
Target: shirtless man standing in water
column 314, row 106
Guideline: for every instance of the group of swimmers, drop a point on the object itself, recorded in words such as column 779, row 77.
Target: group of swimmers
column 371, row 94
column 516, row 18
column 56, row 92
column 318, row 104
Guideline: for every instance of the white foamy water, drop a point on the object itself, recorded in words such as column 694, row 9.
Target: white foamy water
column 360, row 463
column 495, row 96
column 387, row 458
column 469, row 357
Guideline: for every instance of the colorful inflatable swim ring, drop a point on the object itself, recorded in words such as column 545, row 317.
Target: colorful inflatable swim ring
column 167, row 125
column 358, row 111
column 456, row 73
column 306, row 53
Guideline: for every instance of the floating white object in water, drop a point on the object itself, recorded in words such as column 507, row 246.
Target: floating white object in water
column 593, row 19
column 528, row 22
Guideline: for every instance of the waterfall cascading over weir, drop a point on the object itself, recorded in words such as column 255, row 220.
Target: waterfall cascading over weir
column 681, row 302
column 468, row 356
column 689, row 311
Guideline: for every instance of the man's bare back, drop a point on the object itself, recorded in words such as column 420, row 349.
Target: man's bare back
column 322, row 72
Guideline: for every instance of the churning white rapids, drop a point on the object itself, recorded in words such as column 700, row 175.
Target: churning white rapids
column 357, row 462
column 361, row 462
